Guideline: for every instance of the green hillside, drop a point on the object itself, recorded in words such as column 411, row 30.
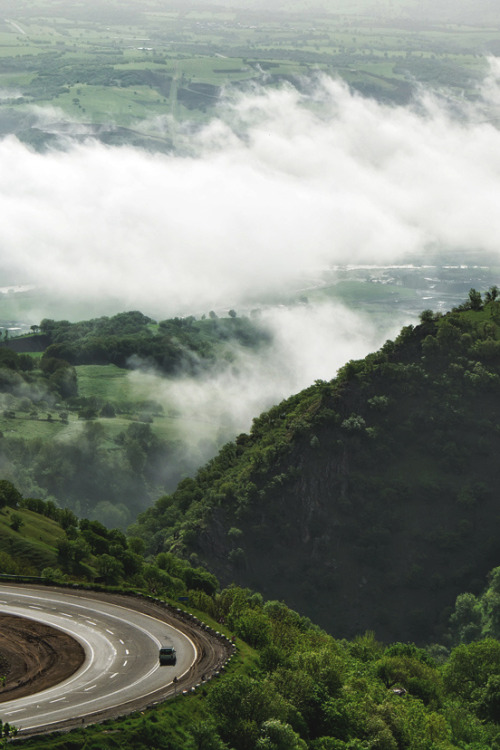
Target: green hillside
column 369, row 501
column 291, row 685
column 28, row 541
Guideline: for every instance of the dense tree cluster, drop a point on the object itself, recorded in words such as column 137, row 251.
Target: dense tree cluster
column 131, row 339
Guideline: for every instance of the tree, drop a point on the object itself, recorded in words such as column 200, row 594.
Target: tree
column 466, row 619
column 109, row 568
column 275, row 735
column 9, row 495
column 470, row 667
column 475, row 301
column 16, row 522
column 491, row 294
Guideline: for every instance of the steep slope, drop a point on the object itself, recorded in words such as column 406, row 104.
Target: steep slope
column 366, row 502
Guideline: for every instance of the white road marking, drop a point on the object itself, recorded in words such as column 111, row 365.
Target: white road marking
column 145, row 678
column 92, row 687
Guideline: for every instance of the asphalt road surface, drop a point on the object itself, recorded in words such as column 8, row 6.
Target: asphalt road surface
column 121, row 648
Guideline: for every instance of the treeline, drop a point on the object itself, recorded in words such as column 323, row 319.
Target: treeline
column 21, row 376
column 376, row 489
column 89, row 552
column 173, row 346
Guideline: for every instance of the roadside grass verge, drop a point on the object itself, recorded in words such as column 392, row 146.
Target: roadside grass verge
column 35, row 542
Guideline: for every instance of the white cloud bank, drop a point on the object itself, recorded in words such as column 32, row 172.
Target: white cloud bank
column 278, row 185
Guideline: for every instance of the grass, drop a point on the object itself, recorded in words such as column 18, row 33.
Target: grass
column 351, row 292
column 35, row 542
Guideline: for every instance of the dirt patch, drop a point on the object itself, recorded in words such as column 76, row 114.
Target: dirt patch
column 34, row 656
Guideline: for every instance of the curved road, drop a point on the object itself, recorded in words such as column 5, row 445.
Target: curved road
column 121, row 670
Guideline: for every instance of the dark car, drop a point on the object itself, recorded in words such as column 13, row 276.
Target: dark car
column 167, row 655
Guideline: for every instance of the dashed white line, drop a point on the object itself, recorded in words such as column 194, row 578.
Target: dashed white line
column 112, row 676
column 57, row 700
column 109, row 631
column 92, row 687
column 125, row 662
column 127, row 651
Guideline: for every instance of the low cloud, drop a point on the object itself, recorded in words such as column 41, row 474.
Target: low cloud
column 310, row 342
column 276, row 189
column 276, row 186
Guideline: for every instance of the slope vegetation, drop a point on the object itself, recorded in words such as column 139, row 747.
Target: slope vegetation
column 368, row 501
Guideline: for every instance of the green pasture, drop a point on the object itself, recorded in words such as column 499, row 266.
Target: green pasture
column 351, row 292
column 35, row 542
column 35, row 528
column 221, row 45
column 107, row 383
column 100, row 103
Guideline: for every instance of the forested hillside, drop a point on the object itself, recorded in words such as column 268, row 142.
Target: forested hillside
column 369, row 501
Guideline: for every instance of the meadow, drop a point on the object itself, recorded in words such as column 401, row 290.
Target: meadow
column 118, row 66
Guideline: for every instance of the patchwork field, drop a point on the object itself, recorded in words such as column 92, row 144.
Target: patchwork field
column 110, row 66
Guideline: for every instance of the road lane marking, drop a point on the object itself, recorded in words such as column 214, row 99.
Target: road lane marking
column 56, row 700
column 92, row 687
column 38, row 721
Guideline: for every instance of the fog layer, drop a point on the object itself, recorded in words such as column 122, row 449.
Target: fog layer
column 274, row 190
column 278, row 185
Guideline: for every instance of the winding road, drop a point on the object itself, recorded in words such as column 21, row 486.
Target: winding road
column 121, row 637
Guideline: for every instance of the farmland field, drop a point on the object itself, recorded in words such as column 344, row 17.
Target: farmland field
column 110, row 66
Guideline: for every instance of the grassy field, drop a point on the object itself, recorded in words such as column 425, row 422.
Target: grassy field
column 127, row 64
column 129, row 392
column 35, row 541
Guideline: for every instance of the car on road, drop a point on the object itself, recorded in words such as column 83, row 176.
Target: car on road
column 167, row 655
